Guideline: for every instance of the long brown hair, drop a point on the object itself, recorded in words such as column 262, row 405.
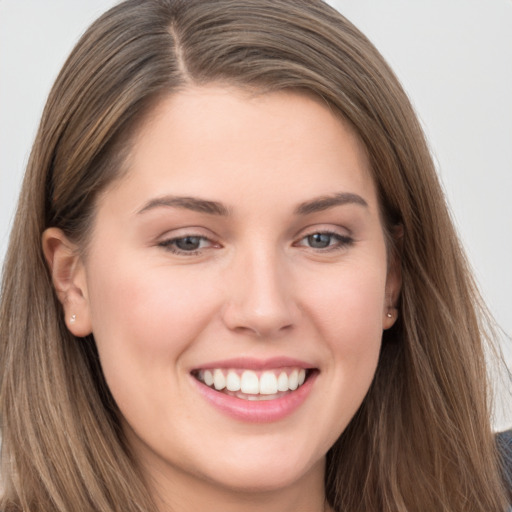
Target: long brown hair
column 421, row 440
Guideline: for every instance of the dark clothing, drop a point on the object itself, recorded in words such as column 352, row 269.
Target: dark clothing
column 504, row 443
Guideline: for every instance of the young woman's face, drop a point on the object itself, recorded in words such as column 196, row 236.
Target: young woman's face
column 243, row 248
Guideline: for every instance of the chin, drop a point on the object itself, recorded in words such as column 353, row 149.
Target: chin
column 258, row 475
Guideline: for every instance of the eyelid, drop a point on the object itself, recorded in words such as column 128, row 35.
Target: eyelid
column 166, row 242
column 345, row 240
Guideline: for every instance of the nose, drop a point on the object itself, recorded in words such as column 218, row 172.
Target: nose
column 259, row 296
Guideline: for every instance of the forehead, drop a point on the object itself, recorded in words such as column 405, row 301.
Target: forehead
column 218, row 140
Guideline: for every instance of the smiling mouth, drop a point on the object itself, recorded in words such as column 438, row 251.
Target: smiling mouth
column 254, row 385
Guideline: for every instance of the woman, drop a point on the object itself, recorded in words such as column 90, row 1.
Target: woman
column 240, row 285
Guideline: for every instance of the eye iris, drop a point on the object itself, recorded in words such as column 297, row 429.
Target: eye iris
column 319, row 240
column 188, row 243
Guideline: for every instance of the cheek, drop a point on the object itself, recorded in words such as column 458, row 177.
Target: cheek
column 143, row 320
column 147, row 314
column 349, row 305
column 348, row 314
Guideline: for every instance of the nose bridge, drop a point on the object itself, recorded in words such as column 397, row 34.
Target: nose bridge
column 260, row 297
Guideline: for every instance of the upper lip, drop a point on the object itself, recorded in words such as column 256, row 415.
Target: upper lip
column 249, row 363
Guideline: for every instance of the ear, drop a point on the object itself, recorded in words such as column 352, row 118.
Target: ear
column 69, row 280
column 393, row 280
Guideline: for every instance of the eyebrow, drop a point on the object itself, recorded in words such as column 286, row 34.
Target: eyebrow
column 325, row 202
column 215, row 208
column 189, row 203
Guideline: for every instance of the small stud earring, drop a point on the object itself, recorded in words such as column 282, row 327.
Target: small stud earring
column 389, row 315
column 72, row 319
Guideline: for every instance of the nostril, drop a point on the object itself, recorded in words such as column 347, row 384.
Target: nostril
column 259, row 298
column 260, row 323
column 262, row 330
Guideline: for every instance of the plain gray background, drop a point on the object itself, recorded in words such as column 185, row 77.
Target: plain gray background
column 454, row 58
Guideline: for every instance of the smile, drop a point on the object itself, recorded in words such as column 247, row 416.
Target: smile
column 255, row 390
column 253, row 385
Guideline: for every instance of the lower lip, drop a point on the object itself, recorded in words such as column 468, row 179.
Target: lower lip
column 257, row 411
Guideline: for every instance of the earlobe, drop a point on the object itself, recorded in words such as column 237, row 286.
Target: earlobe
column 68, row 277
column 393, row 287
column 393, row 280
column 390, row 317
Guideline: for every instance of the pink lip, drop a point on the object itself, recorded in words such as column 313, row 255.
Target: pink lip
column 256, row 364
column 262, row 411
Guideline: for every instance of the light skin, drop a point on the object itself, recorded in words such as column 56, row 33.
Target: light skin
column 285, row 257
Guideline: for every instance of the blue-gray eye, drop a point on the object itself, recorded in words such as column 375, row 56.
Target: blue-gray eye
column 188, row 243
column 320, row 240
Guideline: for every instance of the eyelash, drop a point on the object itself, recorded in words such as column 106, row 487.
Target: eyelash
column 170, row 245
column 342, row 242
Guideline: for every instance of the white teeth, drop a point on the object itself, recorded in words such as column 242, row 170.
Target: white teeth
column 282, row 382
column 293, row 380
column 219, row 381
column 208, row 377
column 233, row 381
column 268, row 384
column 250, row 383
column 263, row 385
